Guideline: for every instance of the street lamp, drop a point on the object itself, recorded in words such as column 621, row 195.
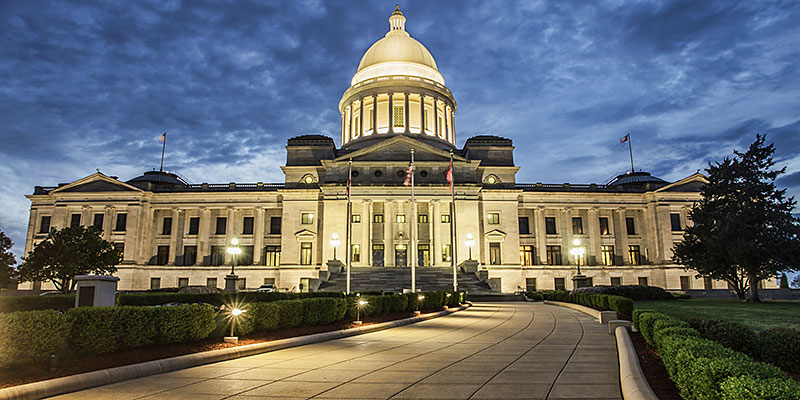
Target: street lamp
column 470, row 242
column 233, row 316
column 359, row 305
column 577, row 252
column 419, row 298
column 231, row 279
column 335, row 243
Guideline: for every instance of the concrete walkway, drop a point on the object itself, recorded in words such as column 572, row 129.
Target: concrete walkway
column 490, row 351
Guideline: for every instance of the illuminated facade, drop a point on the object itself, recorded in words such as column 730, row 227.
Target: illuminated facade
column 175, row 234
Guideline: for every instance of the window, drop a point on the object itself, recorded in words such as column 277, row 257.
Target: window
column 445, row 218
column 422, row 218
column 122, row 222
column 607, row 252
column 356, row 127
column 307, row 218
column 211, row 282
column 155, row 283
column 524, row 226
column 427, row 119
column 355, row 253
column 377, row 218
column 355, row 218
column 526, row 255
column 194, row 225
column 553, row 255
column 577, row 226
column 189, row 255
column 98, row 222
column 275, row 225
column 400, row 218
column 447, row 253
column 423, row 255
column 675, row 221
column 75, row 221
column 399, row 117
column 493, row 218
column 183, row 282
column 247, row 226
column 630, row 225
column 217, row 255
column 246, row 258
column 707, row 283
column 162, row 255
column 616, row 281
column 580, row 259
column 559, row 284
column 642, row 281
column 604, row 226
column 305, row 253
column 530, row 284
column 494, row 253
column 166, row 226
column 222, row 225
column 272, row 256
column 377, row 255
column 371, row 119
column 636, row 255
column 44, row 225
column 120, row 247
column 550, row 225
column 269, row 281
column 241, row 283
column 686, row 284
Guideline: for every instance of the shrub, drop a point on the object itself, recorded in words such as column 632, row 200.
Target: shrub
column 735, row 336
column 633, row 292
column 93, row 330
column 217, row 299
column 32, row 335
column 647, row 323
column 702, row 325
column 290, row 313
column 750, row 388
column 622, row 305
column 660, row 335
column 781, row 346
column 29, row 303
column 556, row 295
column 188, row 323
column 535, row 296
column 637, row 314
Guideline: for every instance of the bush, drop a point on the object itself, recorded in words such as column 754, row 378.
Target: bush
column 633, row 292
column 187, row 323
column 781, row 346
column 535, row 296
column 58, row 302
column 734, row 335
column 622, row 305
column 290, row 313
column 93, row 330
column 702, row 325
column 32, row 335
column 749, row 388
column 637, row 314
column 217, row 299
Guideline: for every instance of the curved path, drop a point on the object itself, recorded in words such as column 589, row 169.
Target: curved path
column 490, row 351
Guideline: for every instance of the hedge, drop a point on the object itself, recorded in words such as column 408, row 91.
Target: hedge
column 534, row 296
column 30, row 303
column 32, row 335
column 704, row 369
column 633, row 292
column 217, row 299
column 781, row 346
column 622, row 305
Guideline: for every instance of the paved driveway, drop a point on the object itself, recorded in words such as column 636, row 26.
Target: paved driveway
column 490, row 351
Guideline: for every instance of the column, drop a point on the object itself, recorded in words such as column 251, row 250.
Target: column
column 203, row 247
column 408, row 115
column 391, row 113
column 350, row 121
column 147, row 251
column 594, row 235
column 86, row 215
column 173, row 237
column 621, row 235
column 453, row 127
column 365, row 225
column 368, row 242
column 566, row 234
column 447, row 122
column 361, row 117
column 344, row 140
column 134, row 226
column 541, row 241
column 421, row 113
column 436, row 116
column 434, row 222
column 108, row 222
column 388, row 233
column 229, row 234
column 374, row 115
column 31, row 230
column 258, row 236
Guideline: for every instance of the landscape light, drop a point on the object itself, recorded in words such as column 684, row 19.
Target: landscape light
column 359, row 305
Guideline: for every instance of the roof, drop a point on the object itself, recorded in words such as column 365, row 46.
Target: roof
column 159, row 178
column 635, row 178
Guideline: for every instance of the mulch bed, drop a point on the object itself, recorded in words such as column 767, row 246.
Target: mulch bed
column 654, row 369
column 33, row 372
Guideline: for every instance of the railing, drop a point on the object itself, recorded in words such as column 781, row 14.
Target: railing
column 563, row 186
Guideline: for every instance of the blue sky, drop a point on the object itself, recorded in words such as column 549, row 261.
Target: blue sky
column 89, row 85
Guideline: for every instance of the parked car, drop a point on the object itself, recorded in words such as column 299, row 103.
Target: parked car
column 267, row 287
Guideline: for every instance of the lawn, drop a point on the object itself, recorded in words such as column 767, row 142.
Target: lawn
column 767, row 314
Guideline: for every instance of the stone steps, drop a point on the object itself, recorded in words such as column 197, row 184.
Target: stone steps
column 393, row 279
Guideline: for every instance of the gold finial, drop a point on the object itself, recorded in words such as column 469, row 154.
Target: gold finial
column 397, row 10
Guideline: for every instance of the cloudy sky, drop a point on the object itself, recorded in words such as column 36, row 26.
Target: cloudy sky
column 89, row 85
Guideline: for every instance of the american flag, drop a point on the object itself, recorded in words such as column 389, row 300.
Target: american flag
column 409, row 172
column 625, row 138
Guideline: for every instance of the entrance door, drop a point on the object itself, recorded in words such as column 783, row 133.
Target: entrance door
column 377, row 255
column 400, row 256
column 423, row 255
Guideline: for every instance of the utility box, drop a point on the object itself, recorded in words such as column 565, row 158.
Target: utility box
column 96, row 291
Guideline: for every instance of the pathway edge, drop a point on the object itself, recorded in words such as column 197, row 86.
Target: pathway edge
column 631, row 377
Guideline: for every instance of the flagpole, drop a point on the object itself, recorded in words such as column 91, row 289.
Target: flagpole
column 453, row 223
column 630, row 151
column 349, row 211
column 163, row 147
column 413, row 222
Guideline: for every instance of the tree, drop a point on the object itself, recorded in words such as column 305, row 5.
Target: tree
column 744, row 231
column 69, row 252
column 7, row 260
column 784, row 281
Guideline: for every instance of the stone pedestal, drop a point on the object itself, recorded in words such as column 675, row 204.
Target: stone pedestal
column 469, row 266
column 96, row 290
column 579, row 281
column 231, row 283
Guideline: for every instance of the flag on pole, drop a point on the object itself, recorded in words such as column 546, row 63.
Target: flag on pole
column 162, row 138
column 349, row 176
column 449, row 174
column 625, row 138
column 409, row 172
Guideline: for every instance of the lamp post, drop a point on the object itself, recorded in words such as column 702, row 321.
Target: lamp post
column 577, row 252
column 419, row 298
column 232, row 278
column 359, row 305
column 233, row 317
column 469, row 243
column 335, row 243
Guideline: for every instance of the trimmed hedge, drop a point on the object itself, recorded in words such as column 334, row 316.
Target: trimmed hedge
column 633, row 292
column 734, row 335
column 704, row 369
column 217, row 299
column 622, row 305
column 29, row 303
column 535, row 296
column 32, row 335
column 781, row 346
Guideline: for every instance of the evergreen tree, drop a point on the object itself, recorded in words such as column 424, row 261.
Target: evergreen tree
column 7, row 260
column 784, row 281
column 744, row 231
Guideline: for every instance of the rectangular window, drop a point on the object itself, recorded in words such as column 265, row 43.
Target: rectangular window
column 607, row 254
column 272, row 256
column 269, row 281
column 530, row 284
column 686, row 284
column 707, row 283
column 577, row 226
column 98, row 222
column 356, row 130
column 217, row 255
column 398, row 118
column 371, row 119
column 355, row 218
column 120, row 247
column 377, row 218
column 246, row 258
column 222, row 225
column 166, row 226
column 44, row 224
column 642, row 281
column 445, row 218
column 422, row 218
column 355, row 253
column 155, row 283
column 305, row 253
column 122, row 222
column 275, row 225
column 247, row 226
column 307, row 218
column 377, row 255
column 616, row 281
column 493, row 218
column 447, row 253
column 423, row 255
column 553, row 255
column 162, row 256
column 189, row 255
column 194, row 225
column 526, row 254
column 559, row 284
column 580, row 258
column 635, row 254
column 675, row 221
column 630, row 225
column 550, row 225
column 211, row 282
column 427, row 120
column 400, row 218
column 494, row 253
column 183, row 282
column 524, row 226
column 604, row 230
column 75, row 221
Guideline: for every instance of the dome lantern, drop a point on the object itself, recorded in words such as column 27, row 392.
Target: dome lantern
column 397, row 22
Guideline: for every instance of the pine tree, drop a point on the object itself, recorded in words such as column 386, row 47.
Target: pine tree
column 7, row 260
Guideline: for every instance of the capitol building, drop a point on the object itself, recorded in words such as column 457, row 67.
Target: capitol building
column 502, row 235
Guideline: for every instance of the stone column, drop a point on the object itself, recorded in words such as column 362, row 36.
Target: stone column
column 594, row 235
column 147, row 251
column 361, row 117
column 374, row 114
column 436, row 116
column 31, row 230
column 446, row 122
column 350, row 121
column 344, row 140
column 541, row 239
column 408, row 115
column 434, row 231
column 388, row 233
column 173, row 237
column 258, row 236
column 391, row 113
column 368, row 228
column 453, row 127
column 621, row 235
column 108, row 222
column 421, row 113
column 134, row 226
column 229, row 234
column 86, row 215
column 203, row 233
column 566, row 234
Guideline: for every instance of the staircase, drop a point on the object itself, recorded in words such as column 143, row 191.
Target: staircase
column 391, row 279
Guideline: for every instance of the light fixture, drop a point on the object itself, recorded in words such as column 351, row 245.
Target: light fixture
column 233, row 317
column 359, row 305
column 469, row 243
column 335, row 243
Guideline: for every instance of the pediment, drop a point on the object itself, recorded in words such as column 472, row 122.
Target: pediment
column 97, row 182
column 495, row 234
column 692, row 183
column 398, row 148
column 305, row 234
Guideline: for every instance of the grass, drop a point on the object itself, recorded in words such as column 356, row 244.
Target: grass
column 768, row 314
